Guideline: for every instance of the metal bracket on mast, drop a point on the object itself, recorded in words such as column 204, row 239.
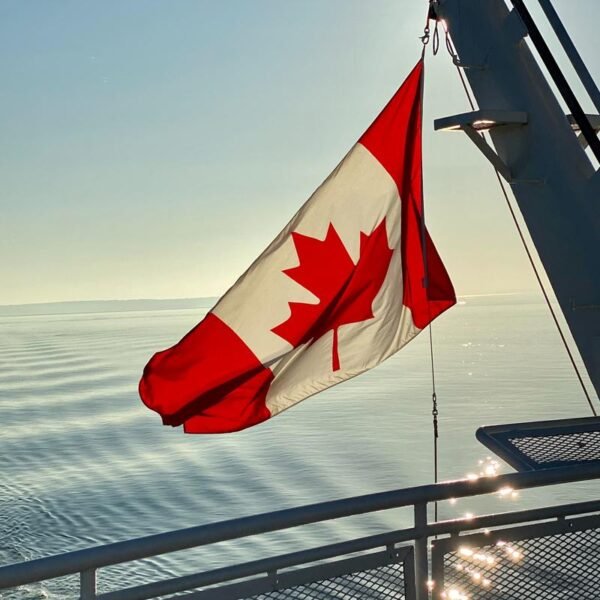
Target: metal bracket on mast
column 475, row 123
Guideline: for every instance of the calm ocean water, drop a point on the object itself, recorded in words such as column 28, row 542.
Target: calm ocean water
column 84, row 463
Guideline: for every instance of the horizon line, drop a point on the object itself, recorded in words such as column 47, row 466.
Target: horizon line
column 196, row 298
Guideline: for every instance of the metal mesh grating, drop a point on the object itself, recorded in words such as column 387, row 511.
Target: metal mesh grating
column 561, row 566
column 382, row 583
column 574, row 447
column 545, row 444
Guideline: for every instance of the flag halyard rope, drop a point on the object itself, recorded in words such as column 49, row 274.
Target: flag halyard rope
column 434, row 400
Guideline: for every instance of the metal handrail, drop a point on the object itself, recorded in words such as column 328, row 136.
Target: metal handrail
column 90, row 559
column 248, row 569
column 275, row 563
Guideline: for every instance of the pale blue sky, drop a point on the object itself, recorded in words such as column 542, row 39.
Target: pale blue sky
column 151, row 149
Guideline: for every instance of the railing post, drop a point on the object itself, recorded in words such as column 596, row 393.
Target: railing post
column 421, row 560
column 87, row 585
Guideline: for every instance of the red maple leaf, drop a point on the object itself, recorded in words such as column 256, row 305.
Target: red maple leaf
column 345, row 290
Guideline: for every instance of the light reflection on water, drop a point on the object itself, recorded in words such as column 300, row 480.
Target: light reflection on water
column 82, row 462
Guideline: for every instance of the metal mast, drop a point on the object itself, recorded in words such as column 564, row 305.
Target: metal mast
column 537, row 150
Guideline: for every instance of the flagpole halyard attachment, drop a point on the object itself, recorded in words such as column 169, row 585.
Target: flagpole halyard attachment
column 426, row 30
column 427, row 35
column 425, row 40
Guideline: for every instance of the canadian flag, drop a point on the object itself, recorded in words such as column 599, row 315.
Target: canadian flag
column 350, row 280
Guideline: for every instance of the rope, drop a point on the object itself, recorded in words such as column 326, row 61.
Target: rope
column 456, row 62
column 434, row 414
column 434, row 406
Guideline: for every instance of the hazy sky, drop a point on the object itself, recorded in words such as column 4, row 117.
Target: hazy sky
column 151, row 149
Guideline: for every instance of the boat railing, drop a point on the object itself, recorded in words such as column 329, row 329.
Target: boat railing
column 442, row 558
